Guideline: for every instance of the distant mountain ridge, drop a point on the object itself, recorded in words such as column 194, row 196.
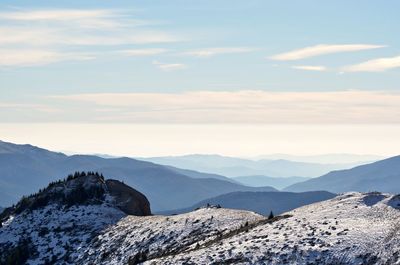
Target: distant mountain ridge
column 260, row 181
column 334, row 158
column 201, row 175
column 383, row 176
column 26, row 168
column 234, row 167
column 261, row 202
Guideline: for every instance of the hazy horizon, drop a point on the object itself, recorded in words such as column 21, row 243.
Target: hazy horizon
column 145, row 140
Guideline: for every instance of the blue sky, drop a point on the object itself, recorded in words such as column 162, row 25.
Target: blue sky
column 268, row 27
column 202, row 62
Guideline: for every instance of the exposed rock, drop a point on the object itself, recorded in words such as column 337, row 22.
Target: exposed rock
column 127, row 199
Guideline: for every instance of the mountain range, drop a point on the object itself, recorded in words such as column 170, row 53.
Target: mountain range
column 26, row 168
column 383, row 176
column 235, row 167
column 324, row 158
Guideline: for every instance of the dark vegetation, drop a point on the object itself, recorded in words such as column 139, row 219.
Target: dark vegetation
column 19, row 254
column 57, row 192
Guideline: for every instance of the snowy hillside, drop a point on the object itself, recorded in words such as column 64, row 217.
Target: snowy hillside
column 350, row 229
column 353, row 228
column 51, row 234
column 134, row 239
column 57, row 223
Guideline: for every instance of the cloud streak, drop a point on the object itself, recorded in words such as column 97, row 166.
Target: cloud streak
column 322, row 49
column 375, row 65
column 89, row 18
column 168, row 67
column 249, row 106
column 45, row 36
column 210, row 52
column 30, row 57
column 317, row 68
column 143, row 52
column 50, row 36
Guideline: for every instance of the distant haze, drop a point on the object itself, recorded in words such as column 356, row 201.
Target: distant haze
column 146, row 140
column 323, row 158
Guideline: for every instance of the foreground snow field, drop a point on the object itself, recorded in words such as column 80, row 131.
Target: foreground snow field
column 135, row 239
column 353, row 228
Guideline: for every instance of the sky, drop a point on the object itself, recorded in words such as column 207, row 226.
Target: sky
column 147, row 78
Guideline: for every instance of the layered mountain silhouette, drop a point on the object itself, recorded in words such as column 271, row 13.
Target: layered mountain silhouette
column 260, row 181
column 383, row 176
column 201, row 175
column 261, row 202
column 26, row 168
column 234, row 167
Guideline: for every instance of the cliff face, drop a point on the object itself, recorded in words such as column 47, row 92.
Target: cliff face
column 127, row 199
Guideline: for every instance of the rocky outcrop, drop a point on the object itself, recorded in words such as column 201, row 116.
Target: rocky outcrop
column 127, row 199
column 84, row 189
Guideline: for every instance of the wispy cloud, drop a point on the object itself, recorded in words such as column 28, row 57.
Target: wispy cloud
column 375, row 65
column 209, row 52
column 318, row 68
column 54, row 14
column 25, row 57
column 28, row 107
column 322, row 49
column 39, row 33
column 143, row 52
column 169, row 66
column 250, row 106
column 89, row 18
column 49, row 36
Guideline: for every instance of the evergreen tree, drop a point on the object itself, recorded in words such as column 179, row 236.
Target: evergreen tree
column 271, row 215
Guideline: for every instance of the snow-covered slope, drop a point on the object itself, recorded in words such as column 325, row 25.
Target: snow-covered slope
column 59, row 222
column 135, row 239
column 102, row 234
column 54, row 235
column 353, row 228
column 350, row 229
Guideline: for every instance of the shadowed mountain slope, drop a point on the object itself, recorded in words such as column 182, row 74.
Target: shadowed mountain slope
column 259, row 181
column 26, row 168
column 383, row 175
column 261, row 202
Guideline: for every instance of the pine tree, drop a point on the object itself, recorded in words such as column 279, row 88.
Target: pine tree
column 271, row 215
